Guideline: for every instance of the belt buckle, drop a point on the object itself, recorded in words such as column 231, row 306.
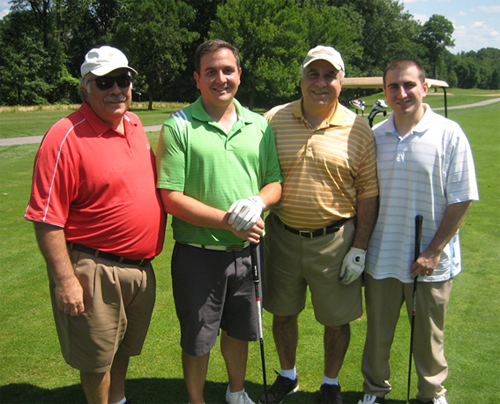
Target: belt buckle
column 303, row 232
column 235, row 247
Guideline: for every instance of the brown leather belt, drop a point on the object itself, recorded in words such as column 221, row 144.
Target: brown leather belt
column 331, row 228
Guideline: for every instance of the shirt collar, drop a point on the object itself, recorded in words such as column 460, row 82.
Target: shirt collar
column 200, row 113
column 421, row 127
column 100, row 127
column 335, row 119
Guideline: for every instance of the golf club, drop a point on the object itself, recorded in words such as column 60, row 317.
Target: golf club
column 418, row 237
column 358, row 104
column 256, row 281
column 380, row 106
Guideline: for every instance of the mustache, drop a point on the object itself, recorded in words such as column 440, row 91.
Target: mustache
column 116, row 98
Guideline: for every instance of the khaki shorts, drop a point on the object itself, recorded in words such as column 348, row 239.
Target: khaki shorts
column 292, row 263
column 119, row 302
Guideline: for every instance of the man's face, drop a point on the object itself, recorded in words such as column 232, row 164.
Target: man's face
column 219, row 78
column 404, row 91
column 320, row 85
column 109, row 104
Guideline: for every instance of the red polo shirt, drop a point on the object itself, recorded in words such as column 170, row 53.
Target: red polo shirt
column 99, row 185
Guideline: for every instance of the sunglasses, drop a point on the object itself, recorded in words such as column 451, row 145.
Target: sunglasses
column 107, row 82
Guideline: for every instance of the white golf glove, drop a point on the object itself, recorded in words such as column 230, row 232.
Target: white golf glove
column 353, row 265
column 245, row 212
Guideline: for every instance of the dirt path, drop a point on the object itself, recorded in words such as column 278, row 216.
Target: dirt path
column 37, row 139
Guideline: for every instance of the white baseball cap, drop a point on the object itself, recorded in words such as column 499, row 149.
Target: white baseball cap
column 324, row 53
column 103, row 60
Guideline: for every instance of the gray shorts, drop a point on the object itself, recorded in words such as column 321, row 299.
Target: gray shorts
column 212, row 290
column 293, row 263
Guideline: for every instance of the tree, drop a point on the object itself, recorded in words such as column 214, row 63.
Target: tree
column 333, row 26
column 386, row 33
column 494, row 83
column 436, row 36
column 452, row 79
column 467, row 73
column 31, row 73
column 205, row 11
column 86, row 24
column 153, row 33
column 270, row 37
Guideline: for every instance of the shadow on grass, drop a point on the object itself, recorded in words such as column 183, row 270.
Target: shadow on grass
column 154, row 391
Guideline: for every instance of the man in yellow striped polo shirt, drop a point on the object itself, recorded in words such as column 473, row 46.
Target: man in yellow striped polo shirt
column 318, row 234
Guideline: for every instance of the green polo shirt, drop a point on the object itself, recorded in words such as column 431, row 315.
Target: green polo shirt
column 198, row 158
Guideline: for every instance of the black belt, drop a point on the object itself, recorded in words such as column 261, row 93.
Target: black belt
column 331, row 228
column 108, row 256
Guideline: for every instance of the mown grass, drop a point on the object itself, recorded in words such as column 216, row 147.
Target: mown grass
column 32, row 369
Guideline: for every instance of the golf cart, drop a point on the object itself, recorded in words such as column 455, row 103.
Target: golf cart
column 380, row 106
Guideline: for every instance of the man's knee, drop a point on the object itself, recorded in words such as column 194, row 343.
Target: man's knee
column 285, row 320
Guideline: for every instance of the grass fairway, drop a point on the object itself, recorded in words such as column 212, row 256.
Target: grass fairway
column 32, row 369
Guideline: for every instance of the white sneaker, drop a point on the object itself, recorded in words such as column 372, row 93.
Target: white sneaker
column 240, row 398
column 369, row 399
column 439, row 400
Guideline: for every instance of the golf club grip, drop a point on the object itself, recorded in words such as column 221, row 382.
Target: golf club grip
column 255, row 267
column 418, row 234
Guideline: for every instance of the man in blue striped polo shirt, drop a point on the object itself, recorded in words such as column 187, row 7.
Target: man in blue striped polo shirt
column 425, row 167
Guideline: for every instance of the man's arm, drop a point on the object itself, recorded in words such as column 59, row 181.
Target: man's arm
column 366, row 218
column 271, row 194
column 453, row 217
column 354, row 262
column 52, row 243
column 197, row 213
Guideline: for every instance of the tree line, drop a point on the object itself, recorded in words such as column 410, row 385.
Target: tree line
column 43, row 43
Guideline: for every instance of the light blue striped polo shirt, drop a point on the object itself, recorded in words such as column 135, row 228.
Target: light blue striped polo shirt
column 421, row 173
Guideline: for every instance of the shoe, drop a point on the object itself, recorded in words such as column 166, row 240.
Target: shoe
column 282, row 387
column 330, row 394
column 438, row 400
column 369, row 399
column 240, row 398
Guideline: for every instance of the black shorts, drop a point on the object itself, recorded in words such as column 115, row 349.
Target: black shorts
column 212, row 290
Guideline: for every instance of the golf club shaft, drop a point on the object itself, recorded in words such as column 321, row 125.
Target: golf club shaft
column 418, row 238
column 256, row 281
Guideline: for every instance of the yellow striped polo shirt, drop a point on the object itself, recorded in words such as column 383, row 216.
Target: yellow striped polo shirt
column 327, row 169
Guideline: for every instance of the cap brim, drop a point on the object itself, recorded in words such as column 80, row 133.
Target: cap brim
column 103, row 70
column 338, row 67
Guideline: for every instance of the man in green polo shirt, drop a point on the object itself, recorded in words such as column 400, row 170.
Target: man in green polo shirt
column 218, row 170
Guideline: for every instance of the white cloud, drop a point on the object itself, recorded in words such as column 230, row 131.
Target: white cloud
column 489, row 9
column 462, row 13
column 4, row 8
column 422, row 18
column 467, row 37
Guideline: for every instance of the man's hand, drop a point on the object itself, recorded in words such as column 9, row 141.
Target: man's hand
column 69, row 291
column 244, row 213
column 425, row 264
column 253, row 234
column 69, row 295
column 353, row 265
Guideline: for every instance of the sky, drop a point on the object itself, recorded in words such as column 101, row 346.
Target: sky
column 476, row 23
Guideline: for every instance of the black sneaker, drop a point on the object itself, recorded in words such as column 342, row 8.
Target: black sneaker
column 282, row 387
column 330, row 394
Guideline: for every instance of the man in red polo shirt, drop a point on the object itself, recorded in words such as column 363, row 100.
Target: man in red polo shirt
column 99, row 223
